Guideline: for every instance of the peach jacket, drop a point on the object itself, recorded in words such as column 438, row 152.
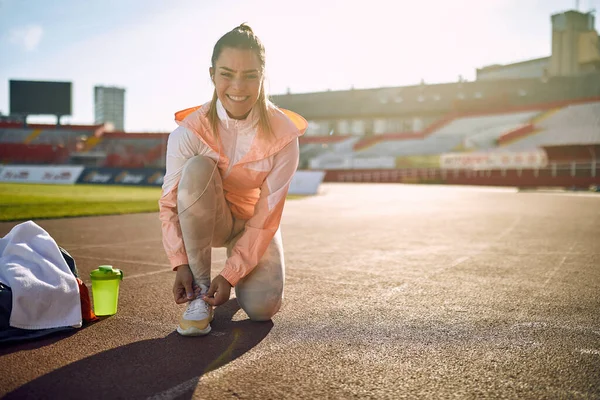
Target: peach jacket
column 256, row 173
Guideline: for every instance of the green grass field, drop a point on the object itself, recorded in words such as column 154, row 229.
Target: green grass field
column 29, row 201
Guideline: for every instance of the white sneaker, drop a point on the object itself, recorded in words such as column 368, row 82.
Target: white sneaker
column 196, row 319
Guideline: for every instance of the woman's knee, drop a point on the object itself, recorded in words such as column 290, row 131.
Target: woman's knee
column 195, row 178
column 197, row 167
column 260, row 306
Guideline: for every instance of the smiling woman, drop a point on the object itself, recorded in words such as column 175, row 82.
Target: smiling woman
column 237, row 71
column 230, row 164
column 237, row 81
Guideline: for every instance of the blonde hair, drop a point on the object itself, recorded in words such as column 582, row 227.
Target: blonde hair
column 242, row 37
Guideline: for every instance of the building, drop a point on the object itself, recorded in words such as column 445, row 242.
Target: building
column 109, row 106
column 575, row 44
column 571, row 72
column 407, row 109
column 536, row 68
column 575, row 51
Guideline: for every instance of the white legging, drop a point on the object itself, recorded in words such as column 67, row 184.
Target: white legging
column 206, row 222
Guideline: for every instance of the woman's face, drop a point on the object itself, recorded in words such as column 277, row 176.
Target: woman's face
column 238, row 79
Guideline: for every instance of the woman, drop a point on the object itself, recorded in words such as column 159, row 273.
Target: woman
column 229, row 166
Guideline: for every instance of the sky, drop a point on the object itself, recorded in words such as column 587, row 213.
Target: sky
column 160, row 50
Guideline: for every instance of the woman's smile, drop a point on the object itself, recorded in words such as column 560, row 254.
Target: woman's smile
column 237, row 99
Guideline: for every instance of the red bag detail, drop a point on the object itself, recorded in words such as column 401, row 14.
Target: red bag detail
column 86, row 305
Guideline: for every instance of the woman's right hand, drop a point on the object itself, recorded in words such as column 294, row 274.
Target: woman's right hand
column 183, row 287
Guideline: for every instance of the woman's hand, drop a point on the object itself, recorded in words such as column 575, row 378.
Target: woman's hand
column 183, row 287
column 218, row 292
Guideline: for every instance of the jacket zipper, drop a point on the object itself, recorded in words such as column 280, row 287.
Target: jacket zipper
column 234, row 150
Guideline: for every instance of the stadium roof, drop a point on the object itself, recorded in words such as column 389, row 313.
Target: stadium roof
column 436, row 99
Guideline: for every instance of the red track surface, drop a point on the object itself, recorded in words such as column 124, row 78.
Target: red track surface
column 391, row 291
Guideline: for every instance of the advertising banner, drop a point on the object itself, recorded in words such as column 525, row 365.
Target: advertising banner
column 494, row 160
column 303, row 182
column 123, row 176
column 427, row 161
column 330, row 161
column 374, row 162
column 51, row 174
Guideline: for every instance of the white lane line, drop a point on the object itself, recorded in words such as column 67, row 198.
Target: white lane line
column 508, row 230
column 141, row 263
column 560, row 264
column 177, row 391
column 192, row 384
column 554, row 271
column 575, row 194
column 116, row 260
column 487, row 245
column 70, row 247
column 590, row 351
column 525, row 310
column 166, row 267
column 127, row 276
column 460, row 260
column 389, row 294
column 146, row 274
column 139, row 321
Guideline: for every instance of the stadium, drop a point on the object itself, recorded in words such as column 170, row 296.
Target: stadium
column 534, row 123
column 447, row 247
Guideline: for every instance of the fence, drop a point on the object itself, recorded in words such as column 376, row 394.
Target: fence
column 577, row 175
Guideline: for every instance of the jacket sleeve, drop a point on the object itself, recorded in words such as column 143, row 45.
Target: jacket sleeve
column 263, row 225
column 181, row 146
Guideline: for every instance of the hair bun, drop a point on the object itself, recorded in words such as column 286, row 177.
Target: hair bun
column 244, row 28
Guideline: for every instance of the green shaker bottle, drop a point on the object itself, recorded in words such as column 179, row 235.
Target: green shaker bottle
column 105, row 289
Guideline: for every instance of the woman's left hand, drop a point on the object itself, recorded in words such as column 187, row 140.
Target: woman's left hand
column 218, row 292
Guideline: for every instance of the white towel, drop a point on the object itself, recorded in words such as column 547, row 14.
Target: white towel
column 45, row 293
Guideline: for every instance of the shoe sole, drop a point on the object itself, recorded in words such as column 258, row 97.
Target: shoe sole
column 192, row 331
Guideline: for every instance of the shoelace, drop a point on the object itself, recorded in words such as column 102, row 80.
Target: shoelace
column 197, row 305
